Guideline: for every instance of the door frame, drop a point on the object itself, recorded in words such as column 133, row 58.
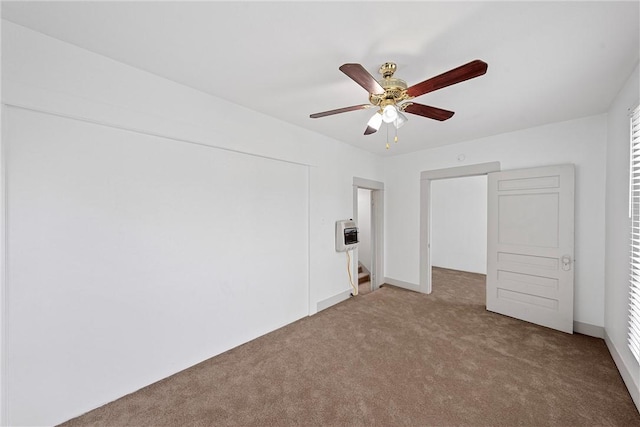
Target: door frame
column 377, row 228
column 425, row 210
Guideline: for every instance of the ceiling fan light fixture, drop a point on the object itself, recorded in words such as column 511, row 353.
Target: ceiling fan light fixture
column 400, row 121
column 373, row 124
column 389, row 114
column 375, row 121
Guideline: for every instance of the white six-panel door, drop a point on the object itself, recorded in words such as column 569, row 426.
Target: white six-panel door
column 530, row 245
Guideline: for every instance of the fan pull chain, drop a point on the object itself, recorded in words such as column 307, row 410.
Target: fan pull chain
column 395, row 137
column 387, row 136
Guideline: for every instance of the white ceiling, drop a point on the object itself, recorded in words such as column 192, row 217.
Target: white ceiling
column 548, row 61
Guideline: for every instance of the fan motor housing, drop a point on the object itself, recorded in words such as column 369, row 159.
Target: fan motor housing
column 394, row 89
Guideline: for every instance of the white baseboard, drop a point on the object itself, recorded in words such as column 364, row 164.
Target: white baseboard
column 587, row 329
column 625, row 373
column 401, row 284
column 324, row 304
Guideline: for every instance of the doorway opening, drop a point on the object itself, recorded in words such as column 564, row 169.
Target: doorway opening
column 459, row 238
column 426, row 212
column 368, row 211
column 365, row 259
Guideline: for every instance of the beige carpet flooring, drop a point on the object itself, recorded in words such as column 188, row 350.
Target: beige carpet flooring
column 393, row 358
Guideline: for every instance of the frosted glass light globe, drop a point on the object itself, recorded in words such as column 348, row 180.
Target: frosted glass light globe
column 375, row 121
column 389, row 114
column 400, row 121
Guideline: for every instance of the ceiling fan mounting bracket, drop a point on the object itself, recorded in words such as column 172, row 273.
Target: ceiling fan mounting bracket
column 387, row 69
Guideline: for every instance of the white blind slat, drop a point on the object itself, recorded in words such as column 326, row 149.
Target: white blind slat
column 634, row 214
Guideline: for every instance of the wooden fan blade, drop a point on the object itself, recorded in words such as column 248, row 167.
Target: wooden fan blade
column 464, row 72
column 358, row 74
column 430, row 112
column 369, row 130
column 341, row 110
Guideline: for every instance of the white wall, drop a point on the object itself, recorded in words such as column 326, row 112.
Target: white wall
column 617, row 233
column 128, row 247
column 459, row 223
column 364, row 227
column 93, row 105
column 581, row 142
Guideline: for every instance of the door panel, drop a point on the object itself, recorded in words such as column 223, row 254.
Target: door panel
column 530, row 245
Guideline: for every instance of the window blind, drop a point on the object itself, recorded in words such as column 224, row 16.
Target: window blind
column 634, row 213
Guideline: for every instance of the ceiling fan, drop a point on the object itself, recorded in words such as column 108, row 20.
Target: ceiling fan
column 392, row 97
